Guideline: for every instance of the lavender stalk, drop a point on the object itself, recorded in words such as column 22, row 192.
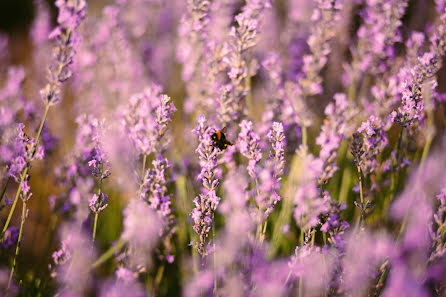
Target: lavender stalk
column 70, row 15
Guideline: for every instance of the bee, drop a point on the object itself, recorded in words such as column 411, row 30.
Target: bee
column 219, row 139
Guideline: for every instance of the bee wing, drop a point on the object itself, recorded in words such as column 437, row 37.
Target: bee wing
column 224, row 129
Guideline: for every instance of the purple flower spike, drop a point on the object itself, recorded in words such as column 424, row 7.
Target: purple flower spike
column 325, row 16
column 23, row 153
column 141, row 231
column 71, row 12
column 10, row 237
column 270, row 175
column 368, row 142
column 249, row 145
column 154, row 192
column 207, row 201
column 310, row 200
column 242, row 37
column 428, row 64
column 334, row 129
column 98, row 203
column 437, row 227
column 276, row 137
column 146, row 118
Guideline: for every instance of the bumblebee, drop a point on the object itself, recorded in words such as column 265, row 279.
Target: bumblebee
column 219, row 139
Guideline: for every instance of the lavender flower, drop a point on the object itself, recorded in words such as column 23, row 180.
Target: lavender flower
column 257, row 68
column 437, row 227
column 24, row 153
column 241, row 38
column 310, row 200
column 275, row 91
column 376, row 38
column 70, row 14
column 369, row 141
column 98, row 203
column 364, row 255
column 154, row 192
column 63, row 255
column 207, row 201
column 14, row 110
column 267, row 196
column 192, row 52
column 193, row 34
column 270, row 175
column 335, row 226
column 412, row 104
column 119, row 287
column 313, row 267
column 10, row 237
column 240, row 264
column 141, row 231
column 78, row 171
column 73, row 261
column 325, row 16
column 334, row 129
column 408, row 272
column 276, row 137
column 6, row 288
column 146, row 118
column 41, row 25
column 248, row 143
column 154, row 187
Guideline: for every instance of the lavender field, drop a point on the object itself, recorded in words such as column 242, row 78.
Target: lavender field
column 240, row 148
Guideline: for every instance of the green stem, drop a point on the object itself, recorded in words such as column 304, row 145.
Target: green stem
column 25, row 171
column 262, row 237
column 144, row 161
column 383, row 276
column 304, row 136
column 313, row 235
column 290, row 188
column 324, row 237
column 426, row 150
column 14, row 263
column 158, row 278
column 214, row 256
column 16, row 199
column 4, row 189
column 96, row 215
column 99, row 202
column 108, row 254
column 301, row 240
column 361, row 196
column 351, row 94
column 393, row 173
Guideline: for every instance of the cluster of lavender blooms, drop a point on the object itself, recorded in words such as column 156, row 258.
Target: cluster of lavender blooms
column 315, row 168
column 335, row 128
column 146, row 118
